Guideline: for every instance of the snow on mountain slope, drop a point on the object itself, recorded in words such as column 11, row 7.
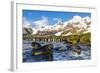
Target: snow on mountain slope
column 58, row 33
column 69, row 33
column 27, row 28
column 77, row 24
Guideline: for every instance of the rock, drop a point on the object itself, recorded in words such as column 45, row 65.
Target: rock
column 69, row 46
column 47, row 50
column 76, row 49
column 57, row 48
column 48, row 47
column 42, row 50
column 62, row 49
column 35, row 45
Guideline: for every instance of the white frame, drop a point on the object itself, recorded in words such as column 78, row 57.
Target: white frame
column 16, row 51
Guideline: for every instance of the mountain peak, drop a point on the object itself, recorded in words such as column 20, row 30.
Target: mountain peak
column 75, row 25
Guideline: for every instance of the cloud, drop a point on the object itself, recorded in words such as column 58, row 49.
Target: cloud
column 25, row 22
column 57, row 19
column 87, row 19
column 76, row 18
column 82, row 22
column 42, row 23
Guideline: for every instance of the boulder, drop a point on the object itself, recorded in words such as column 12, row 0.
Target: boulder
column 42, row 50
column 35, row 45
column 69, row 46
column 76, row 49
column 62, row 49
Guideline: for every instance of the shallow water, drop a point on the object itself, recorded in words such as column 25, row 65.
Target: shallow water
column 60, row 52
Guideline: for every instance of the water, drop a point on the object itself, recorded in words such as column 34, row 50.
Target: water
column 60, row 52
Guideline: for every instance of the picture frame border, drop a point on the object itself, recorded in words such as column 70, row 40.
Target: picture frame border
column 14, row 28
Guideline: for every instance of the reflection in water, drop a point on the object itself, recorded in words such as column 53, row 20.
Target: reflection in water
column 60, row 52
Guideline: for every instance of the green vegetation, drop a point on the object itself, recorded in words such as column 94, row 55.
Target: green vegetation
column 83, row 38
column 27, row 37
column 86, row 38
column 73, row 39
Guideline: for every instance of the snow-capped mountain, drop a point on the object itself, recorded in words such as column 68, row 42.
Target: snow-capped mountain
column 27, row 29
column 76, row 25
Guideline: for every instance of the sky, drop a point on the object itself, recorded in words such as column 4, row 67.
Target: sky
column 50, row 17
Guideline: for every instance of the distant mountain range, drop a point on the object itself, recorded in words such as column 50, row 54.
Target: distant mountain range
column 76, row 25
